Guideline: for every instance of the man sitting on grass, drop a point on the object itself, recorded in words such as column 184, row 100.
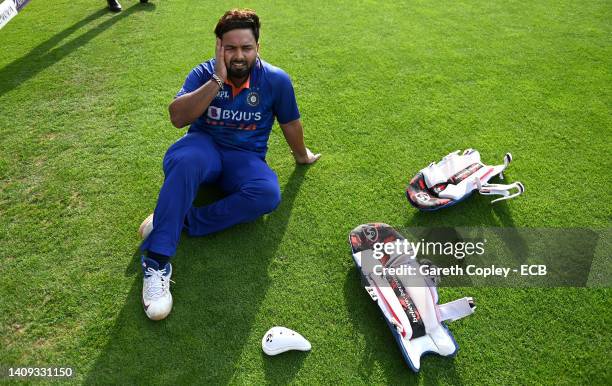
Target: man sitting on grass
column 231, row 102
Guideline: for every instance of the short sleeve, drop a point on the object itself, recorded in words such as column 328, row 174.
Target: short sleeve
column 285, row 105
column 196, row 78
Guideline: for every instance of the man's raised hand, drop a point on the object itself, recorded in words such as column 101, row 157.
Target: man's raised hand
column 220, row 69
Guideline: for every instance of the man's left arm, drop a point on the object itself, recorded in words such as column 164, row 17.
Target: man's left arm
column 294, row 135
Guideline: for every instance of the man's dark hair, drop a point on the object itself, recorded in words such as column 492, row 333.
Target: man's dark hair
column 237, row 19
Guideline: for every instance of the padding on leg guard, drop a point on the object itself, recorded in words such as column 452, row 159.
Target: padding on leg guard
column 454, row 178
column 409, row 302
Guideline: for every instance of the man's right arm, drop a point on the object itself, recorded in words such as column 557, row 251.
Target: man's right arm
column 189, row 107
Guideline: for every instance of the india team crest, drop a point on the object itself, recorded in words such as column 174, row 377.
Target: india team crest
column 253, row 99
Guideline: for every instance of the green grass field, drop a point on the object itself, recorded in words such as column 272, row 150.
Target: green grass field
column 384, row 88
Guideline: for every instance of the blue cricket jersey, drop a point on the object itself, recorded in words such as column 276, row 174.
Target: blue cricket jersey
column 242, row 118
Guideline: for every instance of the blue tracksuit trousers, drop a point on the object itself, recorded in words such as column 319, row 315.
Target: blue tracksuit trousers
column 251, row 185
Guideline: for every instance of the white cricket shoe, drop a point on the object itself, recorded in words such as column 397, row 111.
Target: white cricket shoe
column 146, row 227
column 156, row 296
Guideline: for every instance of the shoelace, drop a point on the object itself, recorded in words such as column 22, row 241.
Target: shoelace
column 157, row 283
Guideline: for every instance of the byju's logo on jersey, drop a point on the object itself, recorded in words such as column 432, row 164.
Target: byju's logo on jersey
column 218, row 113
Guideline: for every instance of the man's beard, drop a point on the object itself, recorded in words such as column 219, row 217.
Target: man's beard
column 238, row 73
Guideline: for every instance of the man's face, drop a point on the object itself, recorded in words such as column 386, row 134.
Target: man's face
column 240, row 50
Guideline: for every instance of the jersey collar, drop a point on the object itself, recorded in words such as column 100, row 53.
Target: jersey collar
column 236, row 90
column 254, row 75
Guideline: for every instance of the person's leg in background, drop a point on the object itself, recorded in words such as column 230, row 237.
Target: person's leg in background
column 114, row 5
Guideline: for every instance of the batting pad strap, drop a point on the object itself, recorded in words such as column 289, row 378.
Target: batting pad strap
column 457, row 309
